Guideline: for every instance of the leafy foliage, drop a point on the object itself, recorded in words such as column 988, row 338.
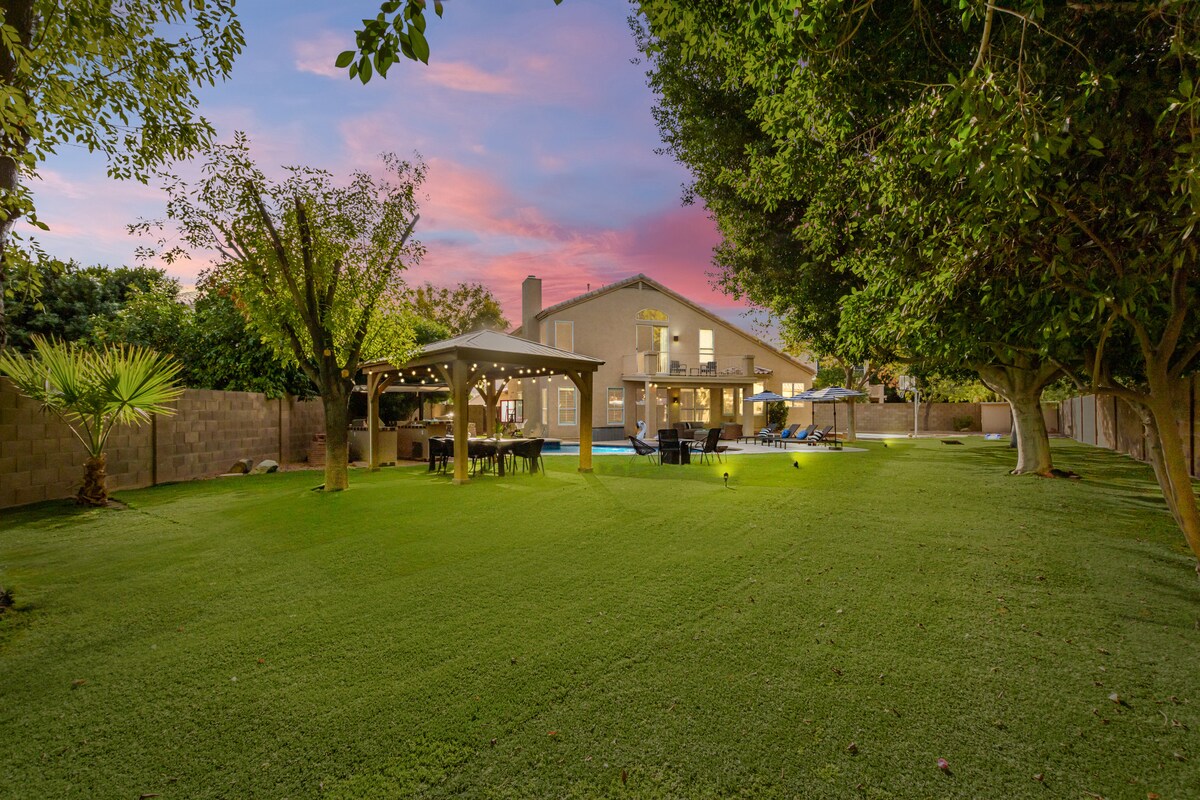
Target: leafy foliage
column 464, row 308
column 76, row 299
column 211, row 339
column 118, row 78
column 398, row 30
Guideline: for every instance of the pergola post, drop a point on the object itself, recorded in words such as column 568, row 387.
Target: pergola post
column 583, row 382
column 373, row 391
column 747, row 414
column 460, row 389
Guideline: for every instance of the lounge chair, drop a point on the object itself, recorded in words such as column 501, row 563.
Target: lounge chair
column 641, row 448
column 787, row 435
column 801, row 436
column 819, row 436
column 710, row 447
column 770, row 430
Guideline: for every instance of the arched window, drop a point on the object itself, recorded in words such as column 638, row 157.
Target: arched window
column 651, row 315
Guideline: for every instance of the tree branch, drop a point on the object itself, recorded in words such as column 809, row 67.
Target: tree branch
column 1087, row 231
column 276, row 242
column 987, row 36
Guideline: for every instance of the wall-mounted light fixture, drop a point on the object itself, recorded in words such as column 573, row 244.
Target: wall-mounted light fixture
column 675, row 338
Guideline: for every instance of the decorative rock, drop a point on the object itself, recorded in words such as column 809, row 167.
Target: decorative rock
column 240, row 467
column 265, row 467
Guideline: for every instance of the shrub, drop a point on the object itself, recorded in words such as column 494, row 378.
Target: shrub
column 964, row 422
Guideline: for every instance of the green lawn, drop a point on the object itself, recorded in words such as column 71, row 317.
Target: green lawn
column 639, row 632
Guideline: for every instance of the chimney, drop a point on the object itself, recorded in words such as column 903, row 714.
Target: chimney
column 531, row 304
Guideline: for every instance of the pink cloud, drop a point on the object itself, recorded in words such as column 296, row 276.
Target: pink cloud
column 463, row 77
column 316, row 55
column 476, row 230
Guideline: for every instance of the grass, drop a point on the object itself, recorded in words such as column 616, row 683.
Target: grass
column 639, row 632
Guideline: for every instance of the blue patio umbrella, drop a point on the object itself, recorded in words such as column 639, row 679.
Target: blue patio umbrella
column 764, row 397
column 830, row 394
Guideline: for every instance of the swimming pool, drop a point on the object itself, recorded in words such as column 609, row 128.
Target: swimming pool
column 598, row 449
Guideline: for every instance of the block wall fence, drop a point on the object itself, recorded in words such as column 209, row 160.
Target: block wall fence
column 1107, row 421
column 40, row 458
column 934, row 417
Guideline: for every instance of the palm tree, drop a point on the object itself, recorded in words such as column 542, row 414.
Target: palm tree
column 93, row 391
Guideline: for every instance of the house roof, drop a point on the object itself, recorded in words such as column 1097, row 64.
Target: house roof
column 653, row 284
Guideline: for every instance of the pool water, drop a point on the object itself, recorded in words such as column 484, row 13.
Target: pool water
column 598, row 449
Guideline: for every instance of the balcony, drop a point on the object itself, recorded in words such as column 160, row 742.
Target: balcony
column 687, row 368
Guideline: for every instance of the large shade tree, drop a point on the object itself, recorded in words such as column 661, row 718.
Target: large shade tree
column 1057, row 142
column 459, row 309
column 804, row 230
column 118, row 78
column 316, row 266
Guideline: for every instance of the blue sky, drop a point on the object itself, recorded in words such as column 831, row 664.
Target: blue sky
column 533, row 118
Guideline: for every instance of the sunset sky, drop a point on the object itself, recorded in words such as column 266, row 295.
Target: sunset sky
column 533, row 118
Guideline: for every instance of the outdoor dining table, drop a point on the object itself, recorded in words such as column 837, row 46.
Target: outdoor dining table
column 502, row 446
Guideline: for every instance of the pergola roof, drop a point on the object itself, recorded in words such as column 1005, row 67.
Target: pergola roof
column 492, row 355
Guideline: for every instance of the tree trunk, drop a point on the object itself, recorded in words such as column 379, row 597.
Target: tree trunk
column 1168, row 456
column 337, row 440
column 1021, row 383
column 94, row 491
column 1033, row 440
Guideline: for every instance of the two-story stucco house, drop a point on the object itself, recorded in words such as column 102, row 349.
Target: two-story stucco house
column 666, row 360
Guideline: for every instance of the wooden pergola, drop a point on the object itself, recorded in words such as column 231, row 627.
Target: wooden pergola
column 483, row 361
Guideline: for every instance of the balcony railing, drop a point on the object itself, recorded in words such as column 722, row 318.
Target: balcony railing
column 686, row 365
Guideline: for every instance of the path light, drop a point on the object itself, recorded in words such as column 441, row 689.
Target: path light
column 726, row 477
column 796, row 464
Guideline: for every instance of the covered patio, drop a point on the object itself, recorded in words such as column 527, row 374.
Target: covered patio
column 483, row 361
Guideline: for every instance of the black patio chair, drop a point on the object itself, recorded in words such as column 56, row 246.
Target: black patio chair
column 484, row 452
column 641, row 448
column 670, row 449
column 710, row 447
column 708, row 368
column 678, row 368
column 440, row 451
column 530, row 454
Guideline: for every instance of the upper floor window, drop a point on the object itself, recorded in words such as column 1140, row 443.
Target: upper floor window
column 651, row 315
column 706, row 345
column 564, row 335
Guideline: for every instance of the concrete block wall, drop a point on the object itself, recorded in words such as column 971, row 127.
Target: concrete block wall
column 211, row 430
column 301, row 419
column 40, row 458
column 898, row 417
